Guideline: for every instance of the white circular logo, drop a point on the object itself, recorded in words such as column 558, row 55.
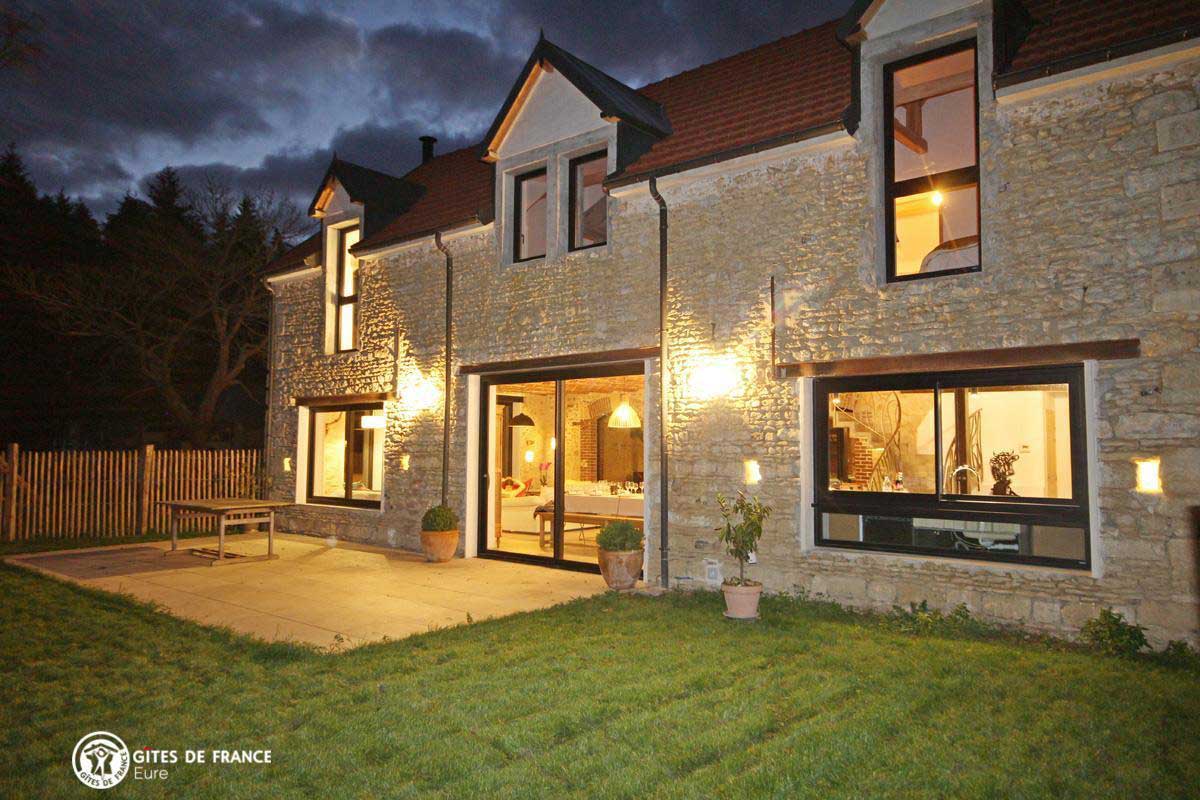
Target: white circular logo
column 100, row 760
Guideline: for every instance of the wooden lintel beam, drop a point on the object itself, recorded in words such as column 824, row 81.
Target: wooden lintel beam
column 1029, row 356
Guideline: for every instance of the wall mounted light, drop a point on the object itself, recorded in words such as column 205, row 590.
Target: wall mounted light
column 1149, row 478
column 716, row 377
column 528, row 456
column 287, row 463
column 373, row 422
column 405, row 461
column 751, row 472
column 553, row 443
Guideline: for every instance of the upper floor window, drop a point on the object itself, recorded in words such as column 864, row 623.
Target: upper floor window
column 530, row 215
column 588, row 206
column 346, row 311
column 932, row 164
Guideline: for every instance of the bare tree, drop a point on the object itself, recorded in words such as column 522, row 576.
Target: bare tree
column 180, row 296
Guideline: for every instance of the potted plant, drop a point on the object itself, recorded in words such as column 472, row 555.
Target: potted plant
column 439, row 534
column 620, row 556
column 743, row 527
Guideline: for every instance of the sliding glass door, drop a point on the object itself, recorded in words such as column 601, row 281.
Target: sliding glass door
column 563, row 455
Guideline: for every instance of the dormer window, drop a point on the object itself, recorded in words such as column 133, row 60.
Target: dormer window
column 346, row 311
column 530, row 215
column 588, row 205
column 932, row 164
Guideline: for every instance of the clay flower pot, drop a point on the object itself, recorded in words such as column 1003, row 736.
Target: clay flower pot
column 439, row 545
column 741, row 602
column 620, row 568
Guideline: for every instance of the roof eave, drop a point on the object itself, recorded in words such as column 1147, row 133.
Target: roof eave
column 619, row 180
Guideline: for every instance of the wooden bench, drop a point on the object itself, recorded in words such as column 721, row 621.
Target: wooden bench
column 580, row 516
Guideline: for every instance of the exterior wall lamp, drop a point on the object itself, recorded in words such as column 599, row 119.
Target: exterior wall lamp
column 1149, row 478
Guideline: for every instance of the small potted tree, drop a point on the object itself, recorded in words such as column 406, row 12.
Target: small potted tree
column 439, row 534
column 620, row 556
column 743, row 527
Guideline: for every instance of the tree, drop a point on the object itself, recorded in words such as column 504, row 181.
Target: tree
column 179, row 293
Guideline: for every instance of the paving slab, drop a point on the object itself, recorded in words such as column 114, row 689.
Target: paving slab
column 319, row 591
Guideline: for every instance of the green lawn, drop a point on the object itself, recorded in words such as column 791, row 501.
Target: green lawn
column 610, row 697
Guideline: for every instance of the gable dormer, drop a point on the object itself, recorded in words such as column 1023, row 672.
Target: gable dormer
column 563, row 129
column 351, row 203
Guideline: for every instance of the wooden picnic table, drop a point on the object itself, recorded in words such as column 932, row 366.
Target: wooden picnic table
column 231, row 512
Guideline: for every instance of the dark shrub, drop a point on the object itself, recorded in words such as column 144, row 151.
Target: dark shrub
column 1111, row 634
column 439, row 518
column 619, row 535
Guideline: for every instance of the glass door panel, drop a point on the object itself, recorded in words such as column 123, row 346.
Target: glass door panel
column 522, row 431
column 603, row 459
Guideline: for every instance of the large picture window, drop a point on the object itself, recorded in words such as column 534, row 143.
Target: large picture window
column 931, row 155
column 346, row 313
column 529, row 215
column 589, row 206
column 345, row 455
column 987, row 464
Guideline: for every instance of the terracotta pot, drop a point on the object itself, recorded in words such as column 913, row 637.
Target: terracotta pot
column 620, row 568
column 439, row 545
column 741, row 602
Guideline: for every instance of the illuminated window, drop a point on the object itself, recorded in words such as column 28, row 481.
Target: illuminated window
column 345, row 455
column 529, row 215
column 346, row 312
column 589, row 206
column 932, row 163
column 985, row 465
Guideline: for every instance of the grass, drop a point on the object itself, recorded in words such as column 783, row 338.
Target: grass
column 611, row 697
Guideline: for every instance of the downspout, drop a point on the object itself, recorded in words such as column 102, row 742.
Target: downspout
column 664, row 576
column 264, row 490
column 437, row 240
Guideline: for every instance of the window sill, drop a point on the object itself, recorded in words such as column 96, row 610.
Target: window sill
column 309, row 504
column 964, row 564
column 894, row 280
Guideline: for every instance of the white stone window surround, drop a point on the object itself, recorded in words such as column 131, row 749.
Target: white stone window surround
column 805, row 510
column 914, row 40
column 555, row 158
column 300, row 466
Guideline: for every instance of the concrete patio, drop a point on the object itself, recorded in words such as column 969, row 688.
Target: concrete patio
column 326, row 593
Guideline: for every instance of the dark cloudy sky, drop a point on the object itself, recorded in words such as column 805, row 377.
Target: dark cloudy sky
column 257, row 93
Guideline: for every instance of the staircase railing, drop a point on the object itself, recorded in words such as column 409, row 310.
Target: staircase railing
column 951, row 469
column 878, row 407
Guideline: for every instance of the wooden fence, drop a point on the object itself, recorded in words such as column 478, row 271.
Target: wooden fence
column 65, row 493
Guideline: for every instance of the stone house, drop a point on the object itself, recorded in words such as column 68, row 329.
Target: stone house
column 926, row 279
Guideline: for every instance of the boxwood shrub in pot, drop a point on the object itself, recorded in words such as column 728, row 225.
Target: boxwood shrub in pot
column 620, row 555
column 439, row 534
column 744, row 518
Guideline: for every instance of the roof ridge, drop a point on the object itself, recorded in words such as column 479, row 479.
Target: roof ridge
column 738, row 54
column 365, row 168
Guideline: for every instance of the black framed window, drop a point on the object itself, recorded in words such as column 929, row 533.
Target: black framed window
column 588, row 204
column 345, row 455
column 346, row 295
column 931, row 157
column 980, row 464
column 529, row 215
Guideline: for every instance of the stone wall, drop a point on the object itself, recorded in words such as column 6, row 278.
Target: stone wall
column 1089, row 232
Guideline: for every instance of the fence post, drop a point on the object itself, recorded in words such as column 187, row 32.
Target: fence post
column 10, row 493
column 145, row 473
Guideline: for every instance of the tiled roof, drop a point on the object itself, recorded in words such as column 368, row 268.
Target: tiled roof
column 1066, row 30
column 793, row 84
column 294, row 259
column 456, row 188
column 784, row 90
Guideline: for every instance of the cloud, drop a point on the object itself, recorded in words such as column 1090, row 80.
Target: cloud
column 257, row 94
